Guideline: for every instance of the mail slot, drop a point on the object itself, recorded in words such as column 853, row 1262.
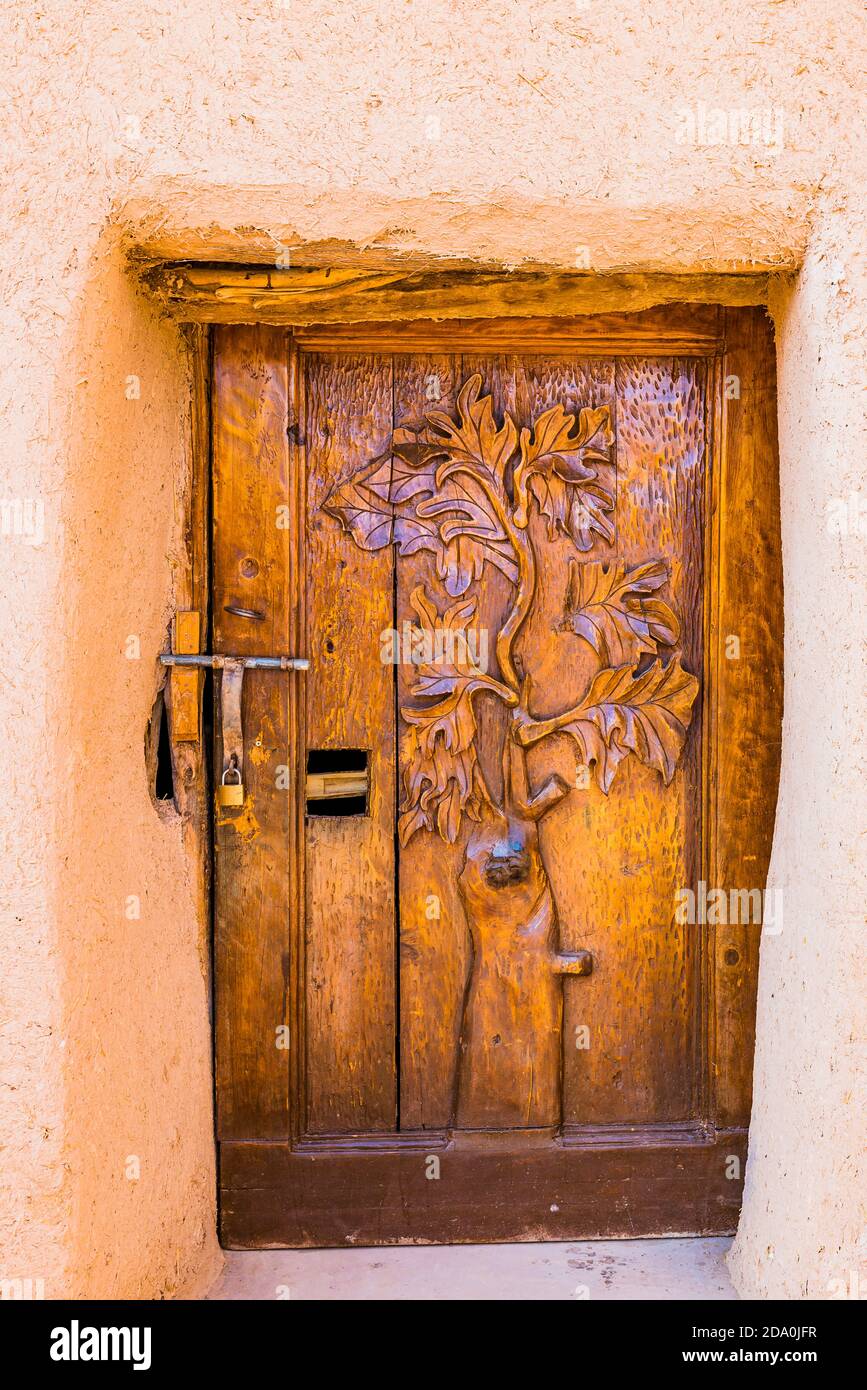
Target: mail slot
column 337, row 782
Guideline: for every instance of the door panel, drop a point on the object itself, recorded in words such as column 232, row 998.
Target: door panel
column 434, row 947
column 503, row 565
column 645, row 837
column 350, row 921
column 253, row 847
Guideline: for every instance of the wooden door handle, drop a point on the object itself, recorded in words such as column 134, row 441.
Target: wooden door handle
column 573, row 963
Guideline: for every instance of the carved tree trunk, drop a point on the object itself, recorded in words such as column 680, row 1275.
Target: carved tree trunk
column 511, row 1039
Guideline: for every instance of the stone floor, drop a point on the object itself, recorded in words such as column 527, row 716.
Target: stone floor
column 613, row 1269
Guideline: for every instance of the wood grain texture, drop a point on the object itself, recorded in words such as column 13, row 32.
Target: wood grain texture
column 434, row 942
column 746, row 732
column 506, row 328
column 491, row 1188
column 191, row 761
column 350, row 897
column 252, row 844
column 644, row 838
column 295, row 519
column 306, row 294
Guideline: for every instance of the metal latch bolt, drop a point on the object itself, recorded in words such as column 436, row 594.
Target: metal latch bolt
column 230, row 791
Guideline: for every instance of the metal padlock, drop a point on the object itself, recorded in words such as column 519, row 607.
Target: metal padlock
column 230, row 793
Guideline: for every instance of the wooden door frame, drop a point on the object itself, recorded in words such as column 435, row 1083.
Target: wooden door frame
column 677, row 1172
column 191, row 762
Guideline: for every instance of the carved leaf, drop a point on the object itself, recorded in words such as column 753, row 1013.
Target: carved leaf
column 569, row 471
column 363, row 506
column 400, row 499
column 623, row 713
column 475, row 440
column 441, row 777
column 609, row 608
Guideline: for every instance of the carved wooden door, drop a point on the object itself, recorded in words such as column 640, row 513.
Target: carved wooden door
column 456, row 996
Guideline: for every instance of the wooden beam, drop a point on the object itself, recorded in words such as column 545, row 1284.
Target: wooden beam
column 304, row 295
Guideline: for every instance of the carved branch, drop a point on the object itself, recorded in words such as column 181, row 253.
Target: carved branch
column 532, row 806
column 624, row 712
column 525, row 556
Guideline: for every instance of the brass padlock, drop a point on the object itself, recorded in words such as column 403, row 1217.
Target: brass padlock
column 230, row 793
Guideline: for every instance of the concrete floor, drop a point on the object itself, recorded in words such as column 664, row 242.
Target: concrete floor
column 602, row 1269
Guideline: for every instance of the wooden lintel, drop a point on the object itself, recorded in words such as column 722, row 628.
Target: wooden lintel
column 302, row 295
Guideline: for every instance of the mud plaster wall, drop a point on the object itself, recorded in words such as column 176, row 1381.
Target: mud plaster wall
column 803, row 1231
column 493, row 131
column 115, row 1158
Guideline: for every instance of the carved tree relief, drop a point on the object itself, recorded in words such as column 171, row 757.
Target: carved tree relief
column 464, row 490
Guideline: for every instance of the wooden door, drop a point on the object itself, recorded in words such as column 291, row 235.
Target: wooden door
column 458, row 996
